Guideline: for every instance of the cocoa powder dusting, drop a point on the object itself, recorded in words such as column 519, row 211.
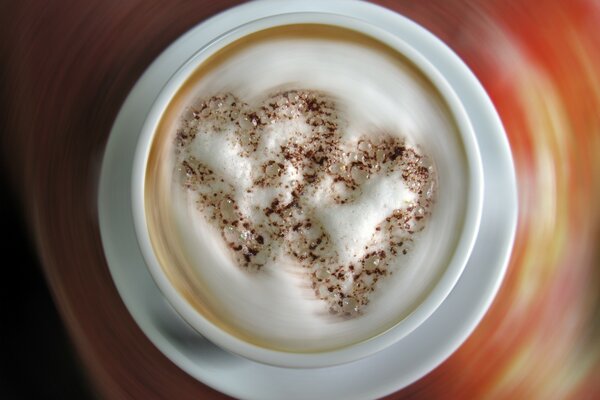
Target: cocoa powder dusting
column 288, row 225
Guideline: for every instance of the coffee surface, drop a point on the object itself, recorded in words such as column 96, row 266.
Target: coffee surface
column 304, row 187
column 344, row 212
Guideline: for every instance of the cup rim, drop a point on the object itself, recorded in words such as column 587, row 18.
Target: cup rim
column 443, row 286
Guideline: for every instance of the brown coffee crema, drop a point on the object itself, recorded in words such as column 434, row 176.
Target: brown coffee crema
column 289, row 202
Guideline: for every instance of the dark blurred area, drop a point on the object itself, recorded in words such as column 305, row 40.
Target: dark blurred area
column 38, row 359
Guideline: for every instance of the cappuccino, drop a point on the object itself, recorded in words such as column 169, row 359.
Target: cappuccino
column 303, row 188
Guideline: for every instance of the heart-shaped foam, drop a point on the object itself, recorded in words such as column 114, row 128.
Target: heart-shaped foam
column 280, row 179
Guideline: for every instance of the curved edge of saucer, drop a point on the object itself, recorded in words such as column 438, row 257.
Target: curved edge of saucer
column 115, row 222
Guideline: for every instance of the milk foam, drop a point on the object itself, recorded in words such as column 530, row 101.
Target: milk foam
column 352, row 225
column 374, row 95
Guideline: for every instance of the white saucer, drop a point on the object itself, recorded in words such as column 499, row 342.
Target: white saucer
column 378, row 375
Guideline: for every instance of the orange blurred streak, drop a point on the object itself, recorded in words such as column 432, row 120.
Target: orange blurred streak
column 536, row 62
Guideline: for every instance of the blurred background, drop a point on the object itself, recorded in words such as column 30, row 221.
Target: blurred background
column 66, row 67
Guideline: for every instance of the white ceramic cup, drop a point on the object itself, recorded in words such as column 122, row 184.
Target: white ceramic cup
column 444, row 286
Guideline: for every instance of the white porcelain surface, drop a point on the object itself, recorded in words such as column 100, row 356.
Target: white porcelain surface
column 380, row 374
column 451, row 274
